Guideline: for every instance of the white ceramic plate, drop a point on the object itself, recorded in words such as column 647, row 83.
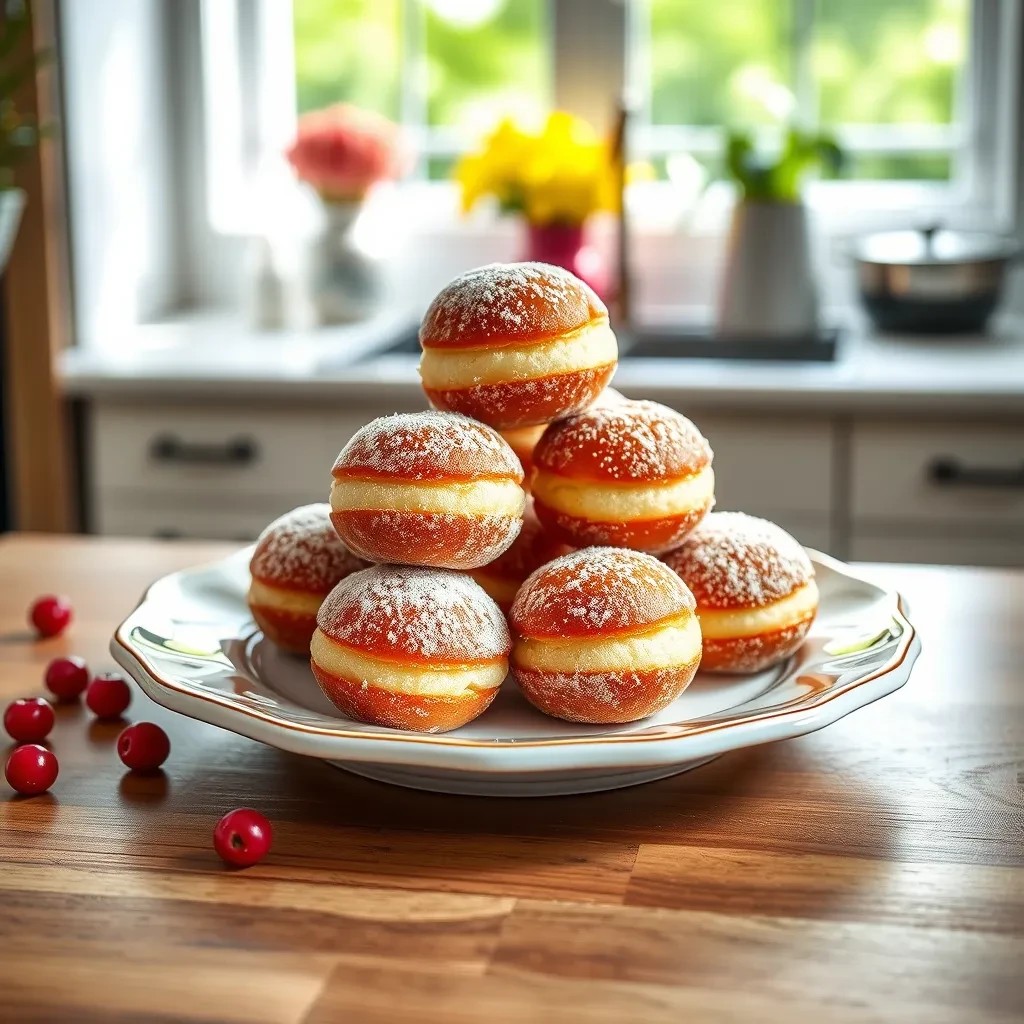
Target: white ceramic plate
column 193, row 647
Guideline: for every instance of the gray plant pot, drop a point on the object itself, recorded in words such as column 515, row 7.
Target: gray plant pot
column 12, row 202
column 768, row 283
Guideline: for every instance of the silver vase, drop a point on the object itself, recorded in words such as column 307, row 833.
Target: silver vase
column 345, row 281
column 768, row 285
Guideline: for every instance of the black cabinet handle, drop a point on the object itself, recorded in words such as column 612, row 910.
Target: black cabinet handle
column 949, row 472
column 240, row 451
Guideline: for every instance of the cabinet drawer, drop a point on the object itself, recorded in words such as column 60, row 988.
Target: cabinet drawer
column 205, row 451
column 771, row 467
column 951, row 550
column 121, row 516
column 971, row 474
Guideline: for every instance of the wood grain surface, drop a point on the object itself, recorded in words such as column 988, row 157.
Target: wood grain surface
column 868, row 872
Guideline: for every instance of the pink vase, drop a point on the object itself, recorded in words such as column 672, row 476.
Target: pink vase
column 564, row 245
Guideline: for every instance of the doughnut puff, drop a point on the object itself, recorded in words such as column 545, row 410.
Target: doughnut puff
column 604, row 635
column 410, row 648
column 624, row 474
column 427, row 488
column 754, row 587
column 297, row 561
column 516, row 344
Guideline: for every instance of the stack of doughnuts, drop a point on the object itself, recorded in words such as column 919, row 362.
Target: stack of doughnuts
column 432, row 572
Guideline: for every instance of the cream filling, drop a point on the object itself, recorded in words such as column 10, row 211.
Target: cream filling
column 405, row 677
column 726, row 624
column 592, row 346
column 497, row 588
column 610, row 502
column 283, row 600
column 475, row 497
column 677, row 642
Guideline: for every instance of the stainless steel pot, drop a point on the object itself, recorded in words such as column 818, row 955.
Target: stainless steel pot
column 932, row 280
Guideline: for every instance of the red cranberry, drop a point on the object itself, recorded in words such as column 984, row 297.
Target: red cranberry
column 108, row 695
column 66, row 678
column 31, row 769
column 50, row 615
column 242, row 837
column 143, row 747
column 29, row 720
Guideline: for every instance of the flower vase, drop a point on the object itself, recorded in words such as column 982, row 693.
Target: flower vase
column 768, row 287
column 565, row 245
column 345, row 281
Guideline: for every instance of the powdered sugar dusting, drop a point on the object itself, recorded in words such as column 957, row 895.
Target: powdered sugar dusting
column 301, row 550
column 428, row 538
column 509, row 302
column 526, row 403
column 428, row 445
column 734, row 560
column 598, row 590
column 604, row 697
column 624, row 442
column 753, row 653
column 426, row 614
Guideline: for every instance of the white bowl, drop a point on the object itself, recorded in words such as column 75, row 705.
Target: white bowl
column 193, row 647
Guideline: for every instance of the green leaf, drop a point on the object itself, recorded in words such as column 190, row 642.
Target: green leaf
column 780, row 180
column 12, row 29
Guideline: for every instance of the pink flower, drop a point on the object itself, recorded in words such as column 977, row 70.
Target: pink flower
column 342, row 150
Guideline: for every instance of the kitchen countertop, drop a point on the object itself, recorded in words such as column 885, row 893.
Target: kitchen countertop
column 868, row 872
column 199, row 358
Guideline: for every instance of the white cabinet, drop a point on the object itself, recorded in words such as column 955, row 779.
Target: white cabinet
column 200, row 471
column 869, row 489
column 938, row 491
column 781, row 469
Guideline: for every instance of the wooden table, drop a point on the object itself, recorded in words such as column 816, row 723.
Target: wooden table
column 868, row 872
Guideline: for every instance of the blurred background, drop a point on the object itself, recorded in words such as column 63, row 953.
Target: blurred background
column 221, row 221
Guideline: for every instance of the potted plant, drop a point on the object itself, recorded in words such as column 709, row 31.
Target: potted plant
column 18, row 133
column 768, row 285
column 556, row 179
column 341, row 152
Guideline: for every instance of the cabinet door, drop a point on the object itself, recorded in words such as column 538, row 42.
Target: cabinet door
column 939, row 474
column 953, row 549
column 205, row 452
column 781, row 469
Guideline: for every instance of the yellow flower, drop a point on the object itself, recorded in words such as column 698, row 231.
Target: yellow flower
column 562, row 174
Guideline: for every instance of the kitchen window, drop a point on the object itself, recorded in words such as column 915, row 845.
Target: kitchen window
column 915, row 90
column 923, row 94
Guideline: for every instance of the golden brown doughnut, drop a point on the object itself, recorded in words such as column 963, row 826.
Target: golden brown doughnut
column 755, row 590
column 604, row 635
column 626, row 474
column 297, row 561
column 410, row 648
column 533, row 548
column 427, row 488
column 515, row 344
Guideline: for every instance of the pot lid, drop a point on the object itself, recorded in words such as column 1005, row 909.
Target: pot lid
column 933, row 245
